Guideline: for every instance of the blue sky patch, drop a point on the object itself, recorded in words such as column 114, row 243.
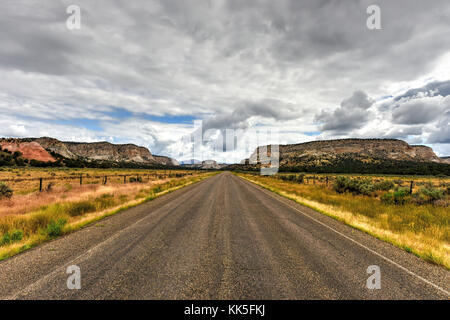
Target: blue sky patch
column 90, row 124
column 312, row 133
column 121, row 113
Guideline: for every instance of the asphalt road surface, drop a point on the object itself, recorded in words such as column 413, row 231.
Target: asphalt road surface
column 222, row 238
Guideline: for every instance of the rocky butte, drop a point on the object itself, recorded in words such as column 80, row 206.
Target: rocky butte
column 357, row 153
column 40, row 148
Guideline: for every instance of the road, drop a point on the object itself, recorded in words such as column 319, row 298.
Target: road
column 222, row 238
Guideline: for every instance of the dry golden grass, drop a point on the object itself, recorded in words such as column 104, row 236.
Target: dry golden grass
column 421, row 229
column 69, row 177
column 25, row 203
column 400, row 180
column 29, row 219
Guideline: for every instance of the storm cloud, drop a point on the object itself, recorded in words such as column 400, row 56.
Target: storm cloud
column 441, row 88
column 239, row 118
column 417, row 111
column 352, row 113
column 289, row 64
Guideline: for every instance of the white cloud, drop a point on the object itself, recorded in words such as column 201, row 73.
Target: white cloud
column 233, row 62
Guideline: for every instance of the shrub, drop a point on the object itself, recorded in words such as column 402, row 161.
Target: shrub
column 355, row 186
column 54, row 228
column 293, row 177
column 157, row 189
column 5, row 191
column 300, row 178
column 16, row 235
column 6, row 239
column 384, row 185
column 429, row 194
column 136, row 179
column 17, row 154
column 399, row 197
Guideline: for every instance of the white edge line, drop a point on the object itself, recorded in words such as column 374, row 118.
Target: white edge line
column 85, row 254
column 356, row 242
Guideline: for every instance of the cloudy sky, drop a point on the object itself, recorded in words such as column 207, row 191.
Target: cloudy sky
column 143, row 71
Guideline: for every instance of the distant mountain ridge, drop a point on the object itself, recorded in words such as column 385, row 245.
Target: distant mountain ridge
column 166, row 160
column 446, row 159
column 380, row 148
column 342, row 155
column 91, row 151
column 355, row 155
column 206, row 164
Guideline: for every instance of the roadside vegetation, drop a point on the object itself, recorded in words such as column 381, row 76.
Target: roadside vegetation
column 24, row 180
column 32, row 217
column 415, row 217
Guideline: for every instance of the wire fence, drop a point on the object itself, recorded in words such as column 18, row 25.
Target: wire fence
column 42, row 183
column 329, row 180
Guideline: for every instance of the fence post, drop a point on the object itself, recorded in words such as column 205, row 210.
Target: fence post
column 81, row 179
column 326, row 181
column 40, row 184
column 411, row 187
column 106, row 179
column 124, row 179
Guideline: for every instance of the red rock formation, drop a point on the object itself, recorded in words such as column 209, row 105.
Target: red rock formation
column 29, row 150
column 95, row 151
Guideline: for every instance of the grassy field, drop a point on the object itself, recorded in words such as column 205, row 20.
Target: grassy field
column 399, row 180
column 30, row 217
column 418, row 223
column 26, row 179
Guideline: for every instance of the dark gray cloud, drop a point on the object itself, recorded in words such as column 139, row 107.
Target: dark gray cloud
column 351, row 114
column 234, row 61
column 441, row 136
column 403, row 132
column 32, row 39
column 416, row 112
column 441, row 88
column 441, row 132
column 240, row 116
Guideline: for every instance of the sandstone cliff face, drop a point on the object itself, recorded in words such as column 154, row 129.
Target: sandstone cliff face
column 206, row 164
column 98, row 150
column 56, row 146
column 29, row 150
column 166, row 161
column 36, row 148
column 364, row 149
column 110, row 152
column 210, row 164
